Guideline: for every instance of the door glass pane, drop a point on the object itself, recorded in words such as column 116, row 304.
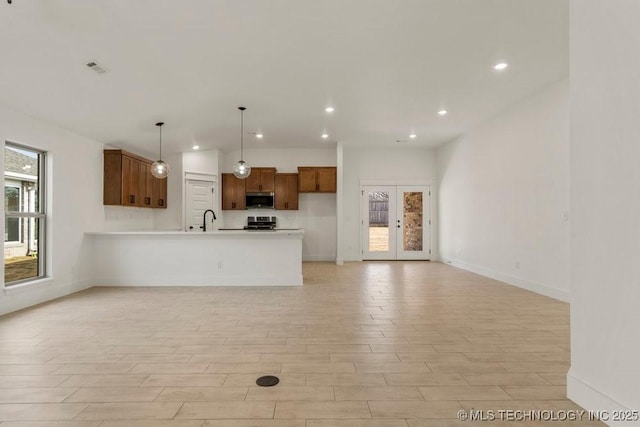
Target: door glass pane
column 378, row 221
column 412, row 218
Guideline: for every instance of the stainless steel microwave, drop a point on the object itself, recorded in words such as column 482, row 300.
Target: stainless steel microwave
column 259, row 200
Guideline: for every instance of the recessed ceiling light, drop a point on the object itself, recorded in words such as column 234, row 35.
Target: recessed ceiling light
column 325, row 135
column 329, row 109
column 259, row 135
column 442, row 112
column 413, row 136
column 500, row 66
column 196, row 147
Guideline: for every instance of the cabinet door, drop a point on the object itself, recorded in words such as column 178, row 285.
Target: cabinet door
column 159, row 192
column 240, row 202
column 307, row 180
column 252, row 183
column 145, row 185
column 326, row 180
column 286, row 191
column 267, row 180
column 130, row 181
column 228, row 188
column 112, row 185
column 292, row 184
column 233, row 191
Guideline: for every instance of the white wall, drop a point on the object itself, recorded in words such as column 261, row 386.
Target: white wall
column 204, row 161
column 316, row 213
column 605, row 205
column 504, row 195
column 74, row 205
column 403, row 164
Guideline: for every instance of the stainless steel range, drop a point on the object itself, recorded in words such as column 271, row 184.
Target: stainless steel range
column 261, row 223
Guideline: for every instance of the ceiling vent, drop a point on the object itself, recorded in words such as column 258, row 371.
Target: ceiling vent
column 96, row 67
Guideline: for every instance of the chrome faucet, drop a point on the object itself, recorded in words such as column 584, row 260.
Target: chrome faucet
column 204, row 219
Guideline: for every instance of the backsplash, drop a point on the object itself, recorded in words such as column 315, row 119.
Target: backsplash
column 238, row 219
column 121, row 218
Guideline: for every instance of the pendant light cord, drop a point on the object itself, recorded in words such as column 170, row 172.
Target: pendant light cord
column 159, row 124
column 242, row 134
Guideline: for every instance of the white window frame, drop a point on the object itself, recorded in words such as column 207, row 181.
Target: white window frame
column 41, row 215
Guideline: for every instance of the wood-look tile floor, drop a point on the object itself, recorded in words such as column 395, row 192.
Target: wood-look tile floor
column 373, row 344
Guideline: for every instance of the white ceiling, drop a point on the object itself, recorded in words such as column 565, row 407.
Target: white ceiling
column 387, row 66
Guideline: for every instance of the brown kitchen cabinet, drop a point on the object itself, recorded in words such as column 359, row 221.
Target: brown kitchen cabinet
column 317, row 179
column 286, row 191
column 261, row 180
column 128, row 181
column 233, row 192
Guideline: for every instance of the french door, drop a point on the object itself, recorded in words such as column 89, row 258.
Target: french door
column 395, row 222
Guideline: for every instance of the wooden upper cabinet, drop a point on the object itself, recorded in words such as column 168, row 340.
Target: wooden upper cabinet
column 233, row 192
column 317, row 179
column 261, row 180
column 286, row 194
column 128, row 181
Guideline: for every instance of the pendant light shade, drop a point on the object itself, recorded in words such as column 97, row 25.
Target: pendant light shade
column 160, row 169
column 241, row 169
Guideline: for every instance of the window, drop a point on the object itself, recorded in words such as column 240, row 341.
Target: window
column 24, row 216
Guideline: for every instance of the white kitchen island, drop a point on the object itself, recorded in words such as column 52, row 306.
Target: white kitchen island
column 216, row 258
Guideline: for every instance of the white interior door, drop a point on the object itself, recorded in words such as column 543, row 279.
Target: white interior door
column 395, row 222
column 200, row 197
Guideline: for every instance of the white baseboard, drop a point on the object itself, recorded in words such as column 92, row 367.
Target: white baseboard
column 595, row 401
column 318, row 258
column 183, row 281
column 509, row 279
column 39, row 292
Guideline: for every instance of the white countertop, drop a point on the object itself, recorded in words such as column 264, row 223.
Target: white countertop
column 233, row 232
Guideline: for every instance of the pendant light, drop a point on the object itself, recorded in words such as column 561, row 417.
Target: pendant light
column 241, row 169
column 160, row 169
